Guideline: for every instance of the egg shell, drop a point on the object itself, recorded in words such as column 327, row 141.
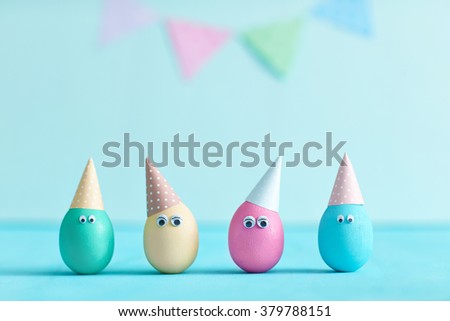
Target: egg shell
column 86, row 248
column 255, row 249
column 171, row 249
column 345, row 247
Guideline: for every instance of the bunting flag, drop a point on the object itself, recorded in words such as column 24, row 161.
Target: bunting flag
column 350, row 15
column 121, row 17
column 275, row 44
column 195, row 44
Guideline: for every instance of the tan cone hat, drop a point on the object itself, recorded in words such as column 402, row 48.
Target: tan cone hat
column 88, row 193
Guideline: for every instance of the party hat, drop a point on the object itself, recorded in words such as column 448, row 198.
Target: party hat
column 160, row 194
column 346, row 188
column 88, row 193
column 267, row 192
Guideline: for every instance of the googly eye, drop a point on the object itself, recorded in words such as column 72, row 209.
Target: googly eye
column 176, row 220
column 340, row 218
column 82, row 219
column 249, row 221
column 162, row 220
column 263, row 222
column 350, row 218
column 91, row 219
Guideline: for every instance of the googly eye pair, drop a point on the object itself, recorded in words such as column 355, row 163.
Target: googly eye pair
column 162, row 220
column 341, row 218
column 249, row 222
column 83, row 219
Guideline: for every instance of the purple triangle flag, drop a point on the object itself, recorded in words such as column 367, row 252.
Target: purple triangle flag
column 122, row 17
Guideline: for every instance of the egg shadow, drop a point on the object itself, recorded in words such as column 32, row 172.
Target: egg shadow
column 237, row 271
column 301, row 271
column 215, row 271
column 67, row 272
column 30, row 272
column 150, row 272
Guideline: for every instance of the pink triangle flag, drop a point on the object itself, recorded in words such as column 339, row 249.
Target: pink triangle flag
column 121, row 17
column 346, row 188
column 195, row 44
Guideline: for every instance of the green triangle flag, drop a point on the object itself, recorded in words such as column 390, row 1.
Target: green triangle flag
column 275, row 44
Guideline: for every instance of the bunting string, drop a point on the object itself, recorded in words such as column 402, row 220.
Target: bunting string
column 194, row 44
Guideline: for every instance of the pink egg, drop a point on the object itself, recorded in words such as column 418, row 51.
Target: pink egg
column 258, row 248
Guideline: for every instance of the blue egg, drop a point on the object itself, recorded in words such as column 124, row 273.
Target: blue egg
column 345, row 237
column 86, row 240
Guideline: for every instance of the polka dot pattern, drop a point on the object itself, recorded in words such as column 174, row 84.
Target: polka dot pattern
column 160, row 194
column 346, row 188
column 88, row 193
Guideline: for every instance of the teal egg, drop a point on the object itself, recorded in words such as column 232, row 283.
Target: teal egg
column 86, row 240
column 345, row 237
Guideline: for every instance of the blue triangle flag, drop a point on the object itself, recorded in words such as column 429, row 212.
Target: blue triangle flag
column 350, row 15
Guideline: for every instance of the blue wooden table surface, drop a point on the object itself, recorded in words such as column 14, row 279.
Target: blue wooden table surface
column 408, row 263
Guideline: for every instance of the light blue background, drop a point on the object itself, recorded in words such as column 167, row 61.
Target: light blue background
column 62, row 96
